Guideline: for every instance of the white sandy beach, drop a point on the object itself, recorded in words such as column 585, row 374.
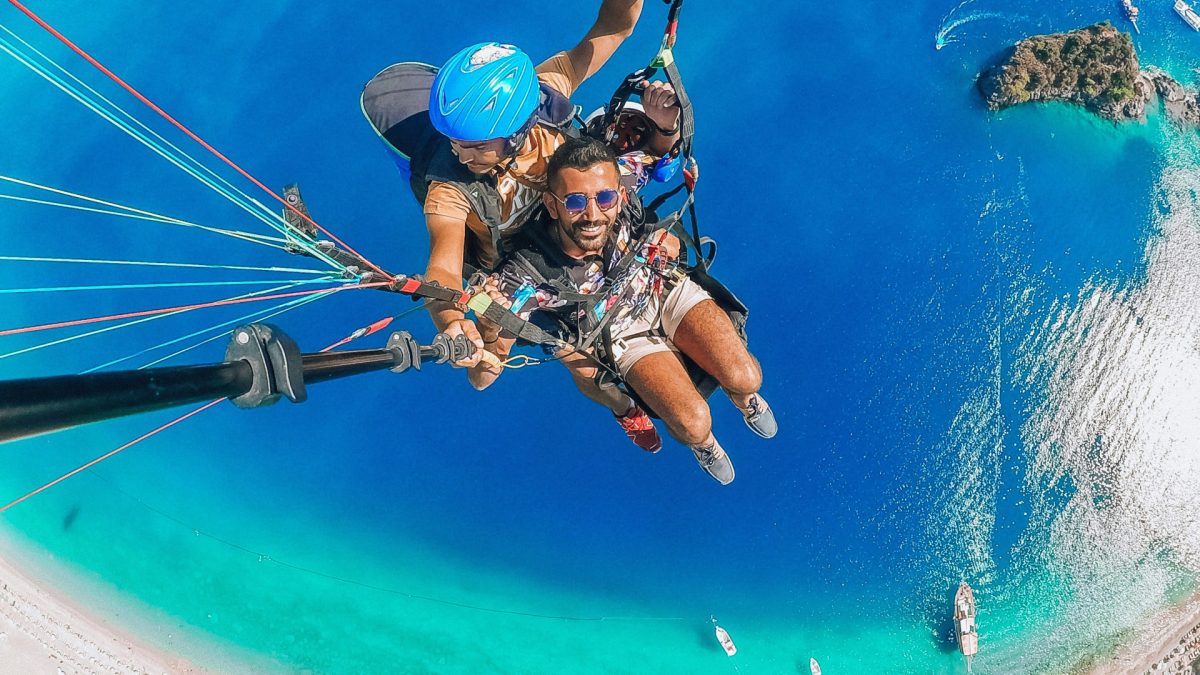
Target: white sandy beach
column 1168, row 643
column 42, row 631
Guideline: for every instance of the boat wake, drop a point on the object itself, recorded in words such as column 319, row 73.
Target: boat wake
column 945, row 34
column 971, row 452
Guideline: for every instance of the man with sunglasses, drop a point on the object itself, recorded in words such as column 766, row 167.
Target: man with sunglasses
column 485, row 99
column 592, row 265
column 472, row 138
column 502, row 117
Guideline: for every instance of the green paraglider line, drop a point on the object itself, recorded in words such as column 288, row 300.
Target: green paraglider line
column 138, row 95
column 251, row 206
column 154, row 263
column 201, row 305
column 273, row 242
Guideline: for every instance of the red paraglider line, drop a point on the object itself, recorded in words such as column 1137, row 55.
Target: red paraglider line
column 184, row 308
column 99, row 66
column 378, row 325
column 101, row 458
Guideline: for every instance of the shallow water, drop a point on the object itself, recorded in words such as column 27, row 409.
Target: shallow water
column 977, row 332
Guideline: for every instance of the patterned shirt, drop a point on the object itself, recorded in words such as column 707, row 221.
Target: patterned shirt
column 626, row 296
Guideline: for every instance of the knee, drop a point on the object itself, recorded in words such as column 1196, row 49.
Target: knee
column 692, row 424
column 745, row 378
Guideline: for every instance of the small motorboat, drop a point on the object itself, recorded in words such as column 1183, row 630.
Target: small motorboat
column 814, row 667
column 723, row 638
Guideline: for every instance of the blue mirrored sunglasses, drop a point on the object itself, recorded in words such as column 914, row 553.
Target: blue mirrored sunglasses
column 577, row 202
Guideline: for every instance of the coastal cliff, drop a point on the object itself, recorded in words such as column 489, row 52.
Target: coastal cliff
column 1095, row 67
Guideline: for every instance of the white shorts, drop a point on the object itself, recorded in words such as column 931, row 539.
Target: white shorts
column 678, row 303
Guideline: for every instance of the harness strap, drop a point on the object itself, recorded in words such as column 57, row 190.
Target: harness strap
column 429, row 289
column 498, row 314
column 627, row 261
column 687, row 119
column 585, row 303
column 664, row 59
column 564, row 292
column 483, row 306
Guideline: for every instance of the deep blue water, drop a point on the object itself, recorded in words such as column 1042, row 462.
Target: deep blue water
column 903, row 251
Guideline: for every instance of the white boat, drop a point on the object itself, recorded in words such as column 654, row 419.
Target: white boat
column 1131, row 12
column 723, row 638
column 964, row 622
column 814, row 667
column 1189, row 15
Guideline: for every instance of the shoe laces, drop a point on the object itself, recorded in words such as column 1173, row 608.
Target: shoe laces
column 754, row 408
column 707, row 455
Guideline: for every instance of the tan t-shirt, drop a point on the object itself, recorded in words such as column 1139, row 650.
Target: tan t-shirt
column 521, row 184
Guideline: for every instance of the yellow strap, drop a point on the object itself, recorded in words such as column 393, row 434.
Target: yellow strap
column 480, row 302
column 664, row 58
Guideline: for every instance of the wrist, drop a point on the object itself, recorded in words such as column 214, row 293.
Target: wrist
column 663, row 131
column 448, row 314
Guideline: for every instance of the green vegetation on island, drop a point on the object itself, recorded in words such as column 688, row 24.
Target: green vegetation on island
column 1095, row 67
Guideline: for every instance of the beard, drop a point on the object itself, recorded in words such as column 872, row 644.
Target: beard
column 589, row 235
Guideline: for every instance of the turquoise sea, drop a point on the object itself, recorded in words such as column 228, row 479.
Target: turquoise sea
column 978, row 332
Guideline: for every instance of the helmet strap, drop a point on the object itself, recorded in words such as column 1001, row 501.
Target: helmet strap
column 517, row 140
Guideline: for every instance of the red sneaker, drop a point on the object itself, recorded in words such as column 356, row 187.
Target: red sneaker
column 640, row 429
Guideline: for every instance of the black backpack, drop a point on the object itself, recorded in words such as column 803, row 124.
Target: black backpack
column 396, row 103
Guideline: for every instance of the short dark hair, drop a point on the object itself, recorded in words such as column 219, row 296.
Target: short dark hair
column 580, row 153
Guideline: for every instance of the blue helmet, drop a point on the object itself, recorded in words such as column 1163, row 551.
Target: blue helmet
column 486, row 91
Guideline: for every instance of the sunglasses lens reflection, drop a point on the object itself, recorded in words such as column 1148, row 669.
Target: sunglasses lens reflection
column 577, row 202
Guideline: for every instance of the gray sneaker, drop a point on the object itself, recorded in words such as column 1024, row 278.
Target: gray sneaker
column 759, row 417
column 715, row 462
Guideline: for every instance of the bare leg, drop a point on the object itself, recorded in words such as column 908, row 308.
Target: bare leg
column 663, row 383
column 707, row 336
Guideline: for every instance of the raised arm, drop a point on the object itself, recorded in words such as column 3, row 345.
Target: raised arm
column 614, row 23
column 662, row 107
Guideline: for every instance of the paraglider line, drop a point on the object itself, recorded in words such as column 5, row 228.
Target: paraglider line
column 184, row 308
column 127, row 87
column 101, row 458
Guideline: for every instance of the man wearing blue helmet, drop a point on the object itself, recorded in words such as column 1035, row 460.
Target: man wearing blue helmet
column 473, row 137
column 488, row 100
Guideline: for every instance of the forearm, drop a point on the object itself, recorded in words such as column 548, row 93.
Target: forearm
column 614, row 23
column 661, row 144
column 617, row 17
column 441, row 312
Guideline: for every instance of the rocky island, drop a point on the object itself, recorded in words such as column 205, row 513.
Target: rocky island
column 1094, row 67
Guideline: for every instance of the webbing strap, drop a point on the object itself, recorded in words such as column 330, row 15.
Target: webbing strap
column 430, row 290
column 515, row 325
column 618, row 271
column 687, row 119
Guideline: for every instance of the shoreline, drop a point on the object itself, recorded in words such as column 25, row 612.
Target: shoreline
column 54, row 619
column 1168, row 642
column 43, row 631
